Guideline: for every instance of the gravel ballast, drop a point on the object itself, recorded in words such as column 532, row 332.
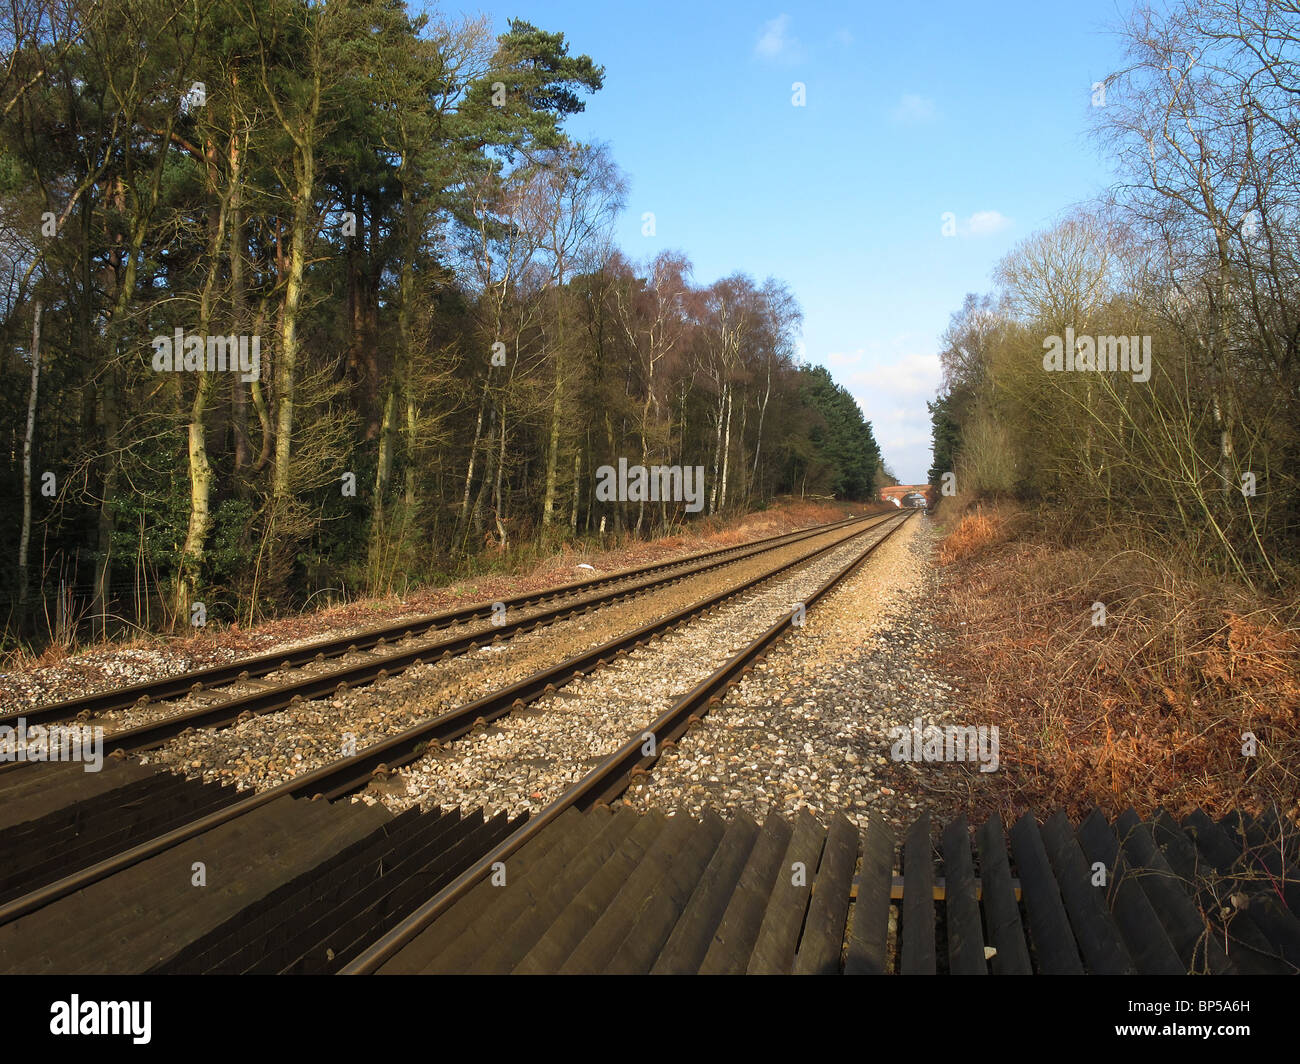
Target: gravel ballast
column 273, row 748
column 530, row 758
column 809, row 727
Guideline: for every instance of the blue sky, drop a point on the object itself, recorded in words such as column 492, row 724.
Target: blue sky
column 912, row 110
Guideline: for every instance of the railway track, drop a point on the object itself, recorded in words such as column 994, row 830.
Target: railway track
column 153, row 838
column 436, row 637
column 586, row 885
column 612, row 776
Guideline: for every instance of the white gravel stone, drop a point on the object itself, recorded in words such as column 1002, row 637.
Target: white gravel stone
column 811, row 730
column 530, row 758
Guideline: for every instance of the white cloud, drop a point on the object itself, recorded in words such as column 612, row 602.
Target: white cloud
column 912, row 110
column 891, row 382
column 904, row 377
column 984, row 223
column 775, row 41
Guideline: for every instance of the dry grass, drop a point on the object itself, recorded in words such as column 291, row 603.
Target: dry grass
column 1148, row 709
column 974, row 533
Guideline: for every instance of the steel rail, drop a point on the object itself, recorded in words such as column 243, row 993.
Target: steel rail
column 261, row 664
column 609, row 779
column 340, row 777
column 281, row 696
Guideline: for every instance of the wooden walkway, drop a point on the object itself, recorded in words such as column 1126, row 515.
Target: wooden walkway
column 298, row 886
column 612, row 891
column 292, row 886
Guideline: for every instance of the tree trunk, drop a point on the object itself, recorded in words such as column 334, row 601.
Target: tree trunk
column 758, row 443
column 405, row 356
column 612, row 448
column 577, row 472
column 200, row 522
column 238, row 309
column 387, row 442
column 497, row 504
column 462, row 524
column 717, row 450
column 726, row 454
column 286, row 364
column 552, row 454
column 24, row 540
column 263, row 412
column 476, row 514
column 740, row 441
